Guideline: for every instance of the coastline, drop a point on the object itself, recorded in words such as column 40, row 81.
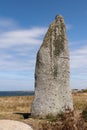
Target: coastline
column 16, row 93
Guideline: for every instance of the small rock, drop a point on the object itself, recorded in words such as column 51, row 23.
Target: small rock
column 13, row 125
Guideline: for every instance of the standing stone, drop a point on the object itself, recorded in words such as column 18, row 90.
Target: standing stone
column 52, row 74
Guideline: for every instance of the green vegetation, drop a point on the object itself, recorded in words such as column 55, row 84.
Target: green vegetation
column 84, row 113
column 51, row 118
column 84, row 90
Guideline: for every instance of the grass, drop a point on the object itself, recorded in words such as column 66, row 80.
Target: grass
column 84, row 113
column 51, row 118
column 15, row 104
column 80, row 101
column 15, row 107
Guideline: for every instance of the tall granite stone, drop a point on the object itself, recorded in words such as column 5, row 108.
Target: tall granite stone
column 52, row 73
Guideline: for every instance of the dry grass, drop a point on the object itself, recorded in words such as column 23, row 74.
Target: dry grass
column 80, row 101
column 9, row 106
column 23, row 103
column 15, row 104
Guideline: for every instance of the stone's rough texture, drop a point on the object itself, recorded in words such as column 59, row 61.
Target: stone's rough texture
column 13, row 125
column 52, row 74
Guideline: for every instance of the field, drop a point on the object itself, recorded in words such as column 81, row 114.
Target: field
column 80, row 101
column 19, row 107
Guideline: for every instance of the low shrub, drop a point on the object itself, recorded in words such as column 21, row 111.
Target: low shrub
column 84, row 113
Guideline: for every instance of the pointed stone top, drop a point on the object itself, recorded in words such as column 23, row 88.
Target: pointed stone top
column 59, row 18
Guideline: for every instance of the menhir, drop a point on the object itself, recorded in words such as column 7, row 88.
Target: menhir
column 52, row 73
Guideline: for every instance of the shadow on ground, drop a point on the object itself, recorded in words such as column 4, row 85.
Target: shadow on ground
column 25, row 115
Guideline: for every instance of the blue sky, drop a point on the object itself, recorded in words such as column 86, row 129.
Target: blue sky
column 23, row 24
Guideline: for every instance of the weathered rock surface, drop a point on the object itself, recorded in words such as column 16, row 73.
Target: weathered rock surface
column 13, row 125
column 52, row 74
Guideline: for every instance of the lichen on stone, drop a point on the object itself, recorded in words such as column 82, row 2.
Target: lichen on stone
column 59, row 46
column 59, row 42
column 55, row 71
column 47, row 38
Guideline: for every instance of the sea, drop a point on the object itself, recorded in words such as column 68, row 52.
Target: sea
column 16, row 93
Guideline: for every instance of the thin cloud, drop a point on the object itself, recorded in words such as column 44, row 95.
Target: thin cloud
column 16, row 37
column 78, row 58
column 17, row 46
column 69, row 27
column 7, row 24
column 17, row 65
column 11, row 34
column 78, row 65
column 78, row 43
